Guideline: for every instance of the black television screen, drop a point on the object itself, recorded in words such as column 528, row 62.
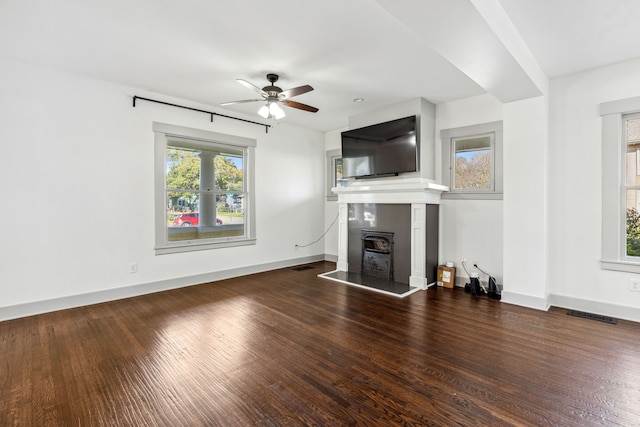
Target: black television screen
column 383, row 149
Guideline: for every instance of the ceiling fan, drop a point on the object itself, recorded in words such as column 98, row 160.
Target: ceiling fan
column 274, row 96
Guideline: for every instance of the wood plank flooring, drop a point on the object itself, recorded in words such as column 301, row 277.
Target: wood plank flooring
column 286, row 348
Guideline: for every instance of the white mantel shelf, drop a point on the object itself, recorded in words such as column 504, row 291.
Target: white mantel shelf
column 412, row 192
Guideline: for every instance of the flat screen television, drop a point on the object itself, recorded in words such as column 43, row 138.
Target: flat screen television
column 383, row 149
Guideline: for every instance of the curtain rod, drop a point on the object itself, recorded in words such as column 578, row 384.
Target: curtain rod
column 211, row 113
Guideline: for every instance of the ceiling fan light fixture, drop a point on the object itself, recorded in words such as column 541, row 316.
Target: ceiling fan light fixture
column 264, row 111
column 276, row 111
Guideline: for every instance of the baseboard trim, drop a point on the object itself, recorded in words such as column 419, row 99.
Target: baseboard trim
column 79, row 300
column 596, row 307
column 331, row 258
column 525, row 300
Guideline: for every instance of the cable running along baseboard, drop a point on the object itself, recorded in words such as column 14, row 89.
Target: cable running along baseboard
column 211, row 113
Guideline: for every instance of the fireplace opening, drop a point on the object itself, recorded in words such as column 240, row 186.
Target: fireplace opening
column 377, row 253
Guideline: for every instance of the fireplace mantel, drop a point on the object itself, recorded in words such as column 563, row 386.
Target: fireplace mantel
column 396, row 192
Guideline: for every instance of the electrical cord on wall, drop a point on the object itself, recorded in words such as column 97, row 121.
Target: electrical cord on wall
column 323, row 234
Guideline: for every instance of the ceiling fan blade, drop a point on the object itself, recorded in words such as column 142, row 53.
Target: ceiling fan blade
column 241, row 102
column 252, row 87
column 299, row 106
column 289, row 93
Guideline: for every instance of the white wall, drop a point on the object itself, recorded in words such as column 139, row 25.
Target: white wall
column 470, row 229
column 332, row 141
column 575, row 276
column 525, row 203
column 77, row 190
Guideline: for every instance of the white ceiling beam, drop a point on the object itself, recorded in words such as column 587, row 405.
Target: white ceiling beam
column 459, row 32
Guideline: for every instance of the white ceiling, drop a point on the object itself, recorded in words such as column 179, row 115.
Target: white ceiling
column 383, row 51
column 568, row 36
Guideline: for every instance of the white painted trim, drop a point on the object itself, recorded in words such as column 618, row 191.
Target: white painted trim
column 331, row 258
column 369, row 288
column 612, row 213
column 524, row 300
column 343, row 237
column 619, row 106
column 332, row 156
column 195, row 245
column 418, row 277
column 203, row 135
column 597, row 307
column 615, row 265
column 392, row 192
column 79, row 300
column 495, row 129
column 418, row 282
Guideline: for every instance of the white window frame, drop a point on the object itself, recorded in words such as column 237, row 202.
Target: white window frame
column 448, row 138
column 164, row 133
column 333, row 156
column 614, row 251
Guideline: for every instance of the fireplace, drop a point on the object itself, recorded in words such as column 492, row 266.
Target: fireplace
column 377, row 254
column 410, row 210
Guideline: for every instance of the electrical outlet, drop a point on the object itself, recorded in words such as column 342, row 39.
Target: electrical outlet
column 634, row 285
column 133, row 267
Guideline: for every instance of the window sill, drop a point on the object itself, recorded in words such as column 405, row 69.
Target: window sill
column 624, row 266
column 197, row 246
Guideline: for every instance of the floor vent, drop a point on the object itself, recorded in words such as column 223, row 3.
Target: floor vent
column 303, row 268
column 592, row 316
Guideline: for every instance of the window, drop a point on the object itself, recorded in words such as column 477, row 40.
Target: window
column 632, row 185
column 620, row 185
column 204, row 189
column 334, row 173
column 472, row 161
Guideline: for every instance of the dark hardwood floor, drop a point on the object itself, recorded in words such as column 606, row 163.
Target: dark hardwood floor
column 289, row 348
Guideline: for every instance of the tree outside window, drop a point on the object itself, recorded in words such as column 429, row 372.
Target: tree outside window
column 472, row 161
column 473, row 165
